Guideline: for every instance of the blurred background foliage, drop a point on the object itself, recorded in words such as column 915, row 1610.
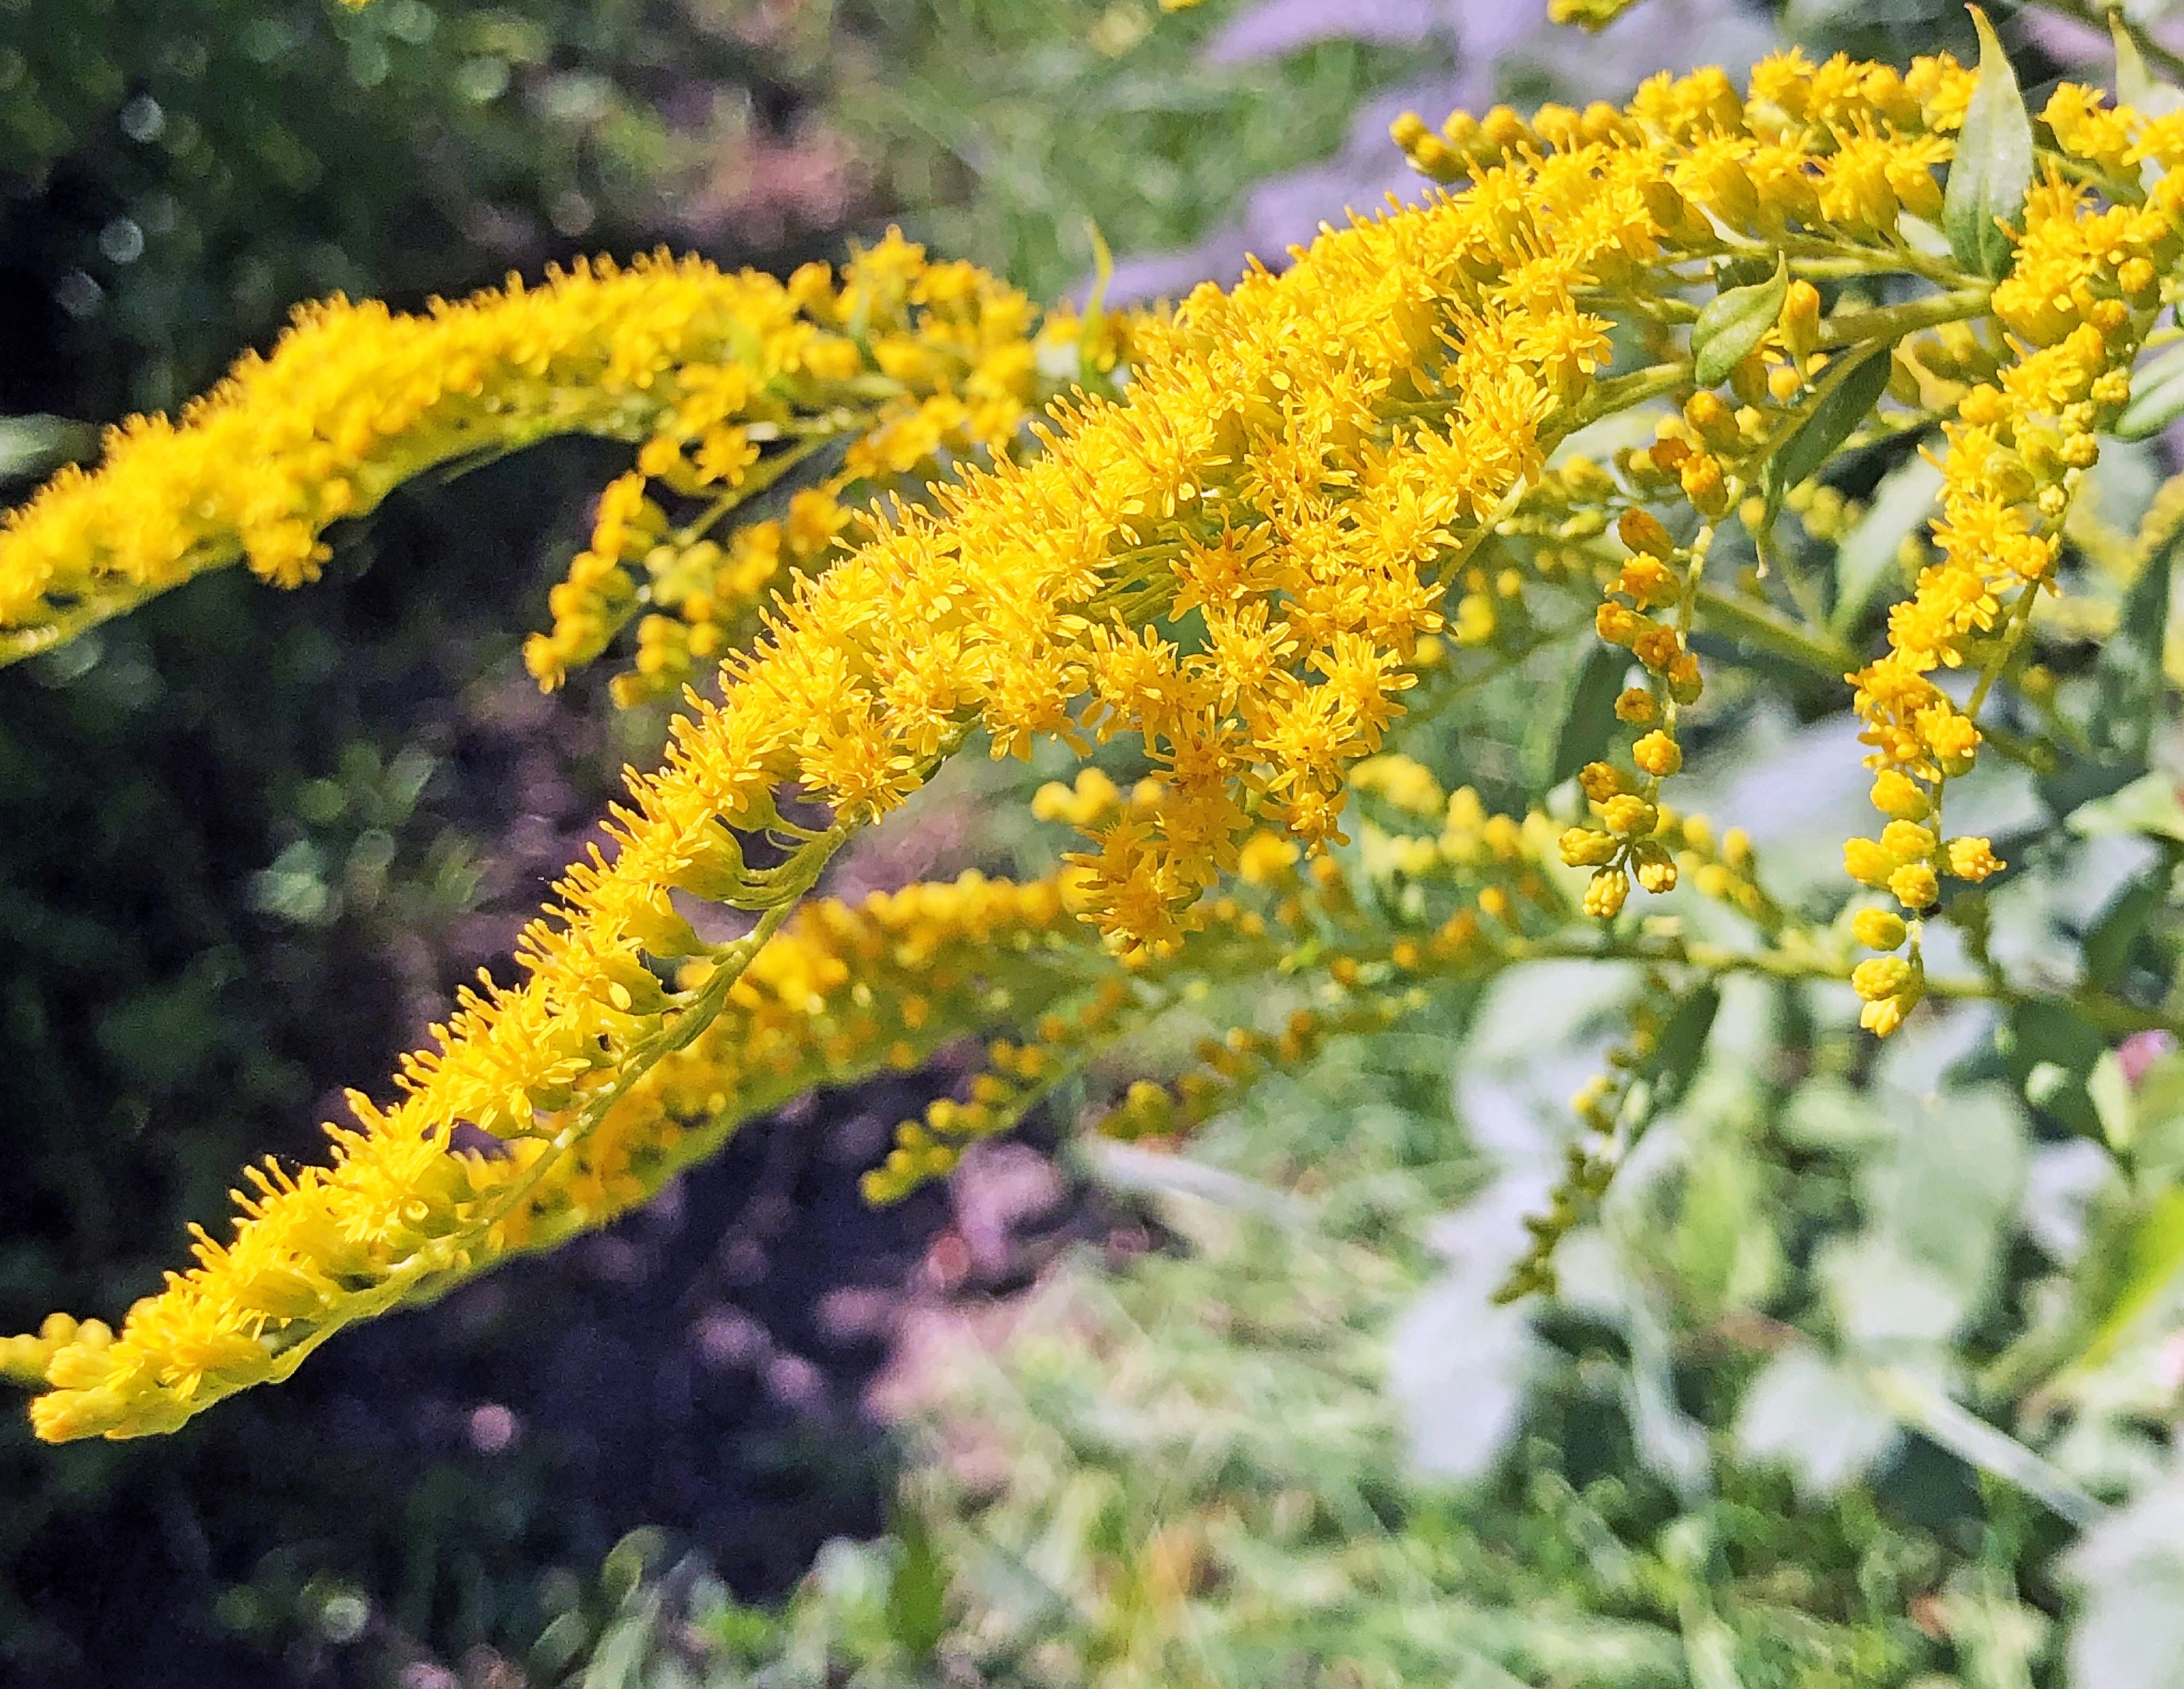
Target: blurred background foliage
column 1243, row 1417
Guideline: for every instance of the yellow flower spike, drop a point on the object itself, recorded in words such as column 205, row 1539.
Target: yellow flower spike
column 1238, row 567
column 2072, row 301
column 355, row 400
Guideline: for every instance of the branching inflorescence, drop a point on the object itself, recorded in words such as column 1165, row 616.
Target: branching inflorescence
column 1234, row 563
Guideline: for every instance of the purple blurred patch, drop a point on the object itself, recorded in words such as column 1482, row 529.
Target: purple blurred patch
column 1282, row 26
column 2140, row 1050
column 1486, row 39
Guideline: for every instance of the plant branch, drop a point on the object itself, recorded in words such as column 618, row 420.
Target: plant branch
column 1766, row 628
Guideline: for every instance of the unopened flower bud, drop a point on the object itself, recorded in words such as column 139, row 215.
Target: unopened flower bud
column 1880, row 929
column 1915, row 885
column 1641, row 530
column 1658, row 754
column 1585, row 847
column 1973, row 858
column 1880, row 976
column 1655, row 868
column 1801, row 318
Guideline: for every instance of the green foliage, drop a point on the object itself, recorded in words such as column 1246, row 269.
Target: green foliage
column 1711, row 1461
column 1984, row 200
column 1014, row 128
column 1833, row 1378
column 173, row 175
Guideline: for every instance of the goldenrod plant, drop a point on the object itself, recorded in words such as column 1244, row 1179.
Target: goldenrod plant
column 1240, row 566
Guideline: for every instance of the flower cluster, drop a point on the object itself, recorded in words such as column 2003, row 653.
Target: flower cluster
column 1836, row 152
column 1232, row 572
column 838, row 993
column 2078, row 298
column 938, row 363
column 1244, row 476
column 712, row 372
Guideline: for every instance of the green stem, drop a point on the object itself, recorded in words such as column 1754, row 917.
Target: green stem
column 2103, row 1012
column 1620, row 392
column 1825, row 259
column 1763, row 627
column 1892, row 323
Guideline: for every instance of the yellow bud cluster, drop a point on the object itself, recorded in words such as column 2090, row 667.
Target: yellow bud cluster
column 717, row 596
column 1600, row 1106
column 1017, row 1077
column 1658, row 575
column 1723, row 868
column 2078, row 300
column 1236, row 566
column 1592, row 14
column 837, row 994
column 356, row 399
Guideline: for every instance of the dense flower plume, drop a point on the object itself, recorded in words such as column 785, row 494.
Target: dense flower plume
column 1313, row 504
column 716, row 375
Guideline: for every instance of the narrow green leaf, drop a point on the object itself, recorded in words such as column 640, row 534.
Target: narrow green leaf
column 1849, row 401
column 1868, row 553
column 1733, row 323
column 917, row 1592
column 2129, row 681
column 2157, row 397
column 2153, row 1257
column 1675, row 1057
column 2118, row 928
column 2135, row 84
column 1993, row 167
column 1590, row 722
column 557, row 1648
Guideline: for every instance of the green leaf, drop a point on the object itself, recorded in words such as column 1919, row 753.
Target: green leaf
column 2153, row 1257
column 2150, row 805
column 2049, row 1049
column 1848, row 402
column 2129, row 678
column 621, row 1575
column 917, row 1591
column 1868, row 553
column 1733, row 324
column 1806, row 1412
column 558, row 1646
column 1590, row 722
column 1993, row 167
column 2133, row 1255
column 2135, row 85
column 1675, row 1056
column 32, row 447
column 2119, row 926
column 2157, row 397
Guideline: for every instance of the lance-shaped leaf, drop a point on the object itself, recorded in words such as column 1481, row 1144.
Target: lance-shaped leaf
column 2135, row 84
column 2157, row 397
column 1731, row 326
column 1993, row 167
column 1847, row 399
column 1865, row 560
column 2130, row 685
